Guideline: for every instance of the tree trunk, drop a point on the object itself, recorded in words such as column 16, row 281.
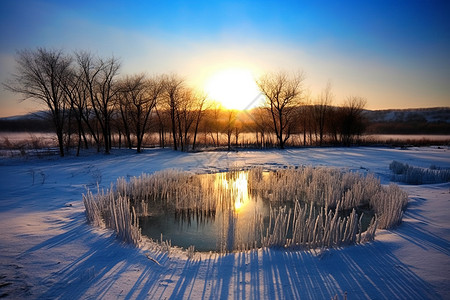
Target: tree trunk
column 60, row 136
column 174, row 130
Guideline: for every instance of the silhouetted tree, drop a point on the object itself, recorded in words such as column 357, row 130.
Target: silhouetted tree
column 305, row 117
column 163, row 123
column 40, row 76
column 214, row 116
column 199, row 109
column 99, row 76
column 185, row 117
column 137, row 98
column 261, row 126
column 351, row 119
column 87, row 73
column 321, row 110
column 77, row 97
column 229, row 125
column 283, row 94
column 124, row 107
column 238, row 126
column 173, row 89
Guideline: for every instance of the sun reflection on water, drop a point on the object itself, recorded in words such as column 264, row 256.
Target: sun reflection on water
column 237, row 186
column 240, row 185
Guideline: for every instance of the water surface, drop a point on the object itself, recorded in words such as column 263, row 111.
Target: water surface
column 239, row 221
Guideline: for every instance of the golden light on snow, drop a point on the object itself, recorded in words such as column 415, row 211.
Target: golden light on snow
column 233, row 88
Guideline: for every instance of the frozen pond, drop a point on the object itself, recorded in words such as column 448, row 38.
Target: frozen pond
column 237, row 221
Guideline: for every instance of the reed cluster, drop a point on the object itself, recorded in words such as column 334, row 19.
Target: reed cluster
column 416, row 175
column 111, row 210
column 306, row 205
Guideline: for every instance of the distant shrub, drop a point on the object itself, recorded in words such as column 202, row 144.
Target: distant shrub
column 416, row 175
column 397, row 167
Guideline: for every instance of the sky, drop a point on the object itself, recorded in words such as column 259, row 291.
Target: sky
column 393, row 53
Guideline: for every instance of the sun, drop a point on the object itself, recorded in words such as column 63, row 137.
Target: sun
column 233, row 89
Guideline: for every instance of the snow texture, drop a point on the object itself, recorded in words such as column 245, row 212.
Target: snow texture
column 48, row 251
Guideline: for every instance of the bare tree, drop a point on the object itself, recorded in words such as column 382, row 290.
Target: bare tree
column 351, row 119
column 98, row 76
column 184, row 118
column 322, row 109
column 199, row 109
column 102, row 101
column 283, row 94
column 305, row 115
column 88, row 72
column 213, row 124
column 188, row 114
column 238, row 126
column 261, row 125
column 39, row 76
column 124, row 107
column 76, row 95
column 185, row 108
column 137, row 99
column 173, row 92
column 163, row 123
column 229, row 125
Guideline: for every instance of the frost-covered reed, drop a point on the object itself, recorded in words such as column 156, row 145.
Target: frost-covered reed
column 307, row 205
column 311, row 229
column 330, row 188
column 327, row 187
column 416, row 175
column 389, row 203
column 113, row 211
column 169, row 189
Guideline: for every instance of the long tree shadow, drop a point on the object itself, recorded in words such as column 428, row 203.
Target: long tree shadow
column 75, row 231
column 377, row 273
column 222, row 276
column 149, row 280
column 424, row 238
column 267, row 273
column 184, row 286
column 104, row 262
column 418, row 232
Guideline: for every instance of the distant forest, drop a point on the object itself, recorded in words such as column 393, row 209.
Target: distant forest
column 435, row 121
column 429, row 121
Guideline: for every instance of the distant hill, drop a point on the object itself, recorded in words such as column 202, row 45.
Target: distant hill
column 33, row 122
column 409, row 121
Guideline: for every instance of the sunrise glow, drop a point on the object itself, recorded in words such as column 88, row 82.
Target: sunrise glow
column 233, row 89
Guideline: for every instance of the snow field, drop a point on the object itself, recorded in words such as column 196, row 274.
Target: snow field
column 48, row 251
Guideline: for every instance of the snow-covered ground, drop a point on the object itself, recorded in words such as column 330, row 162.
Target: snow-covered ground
column 48, row 251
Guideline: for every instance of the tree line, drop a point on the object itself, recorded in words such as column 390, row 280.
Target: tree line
column 91, row 104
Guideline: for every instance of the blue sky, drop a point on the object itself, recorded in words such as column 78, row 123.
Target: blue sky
column 394, row 53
